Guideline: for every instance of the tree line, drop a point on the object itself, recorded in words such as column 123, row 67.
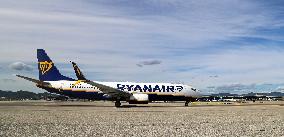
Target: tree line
column 26, row 95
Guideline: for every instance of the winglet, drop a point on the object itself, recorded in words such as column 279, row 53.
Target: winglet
column 78, row 72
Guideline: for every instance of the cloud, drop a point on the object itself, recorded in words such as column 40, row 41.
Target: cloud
column 8, row 80
column 235, row 87
column 139, row 65
column 149, row 63
column 280, row 88
column 211, row 87
column 214, row 76
column 232, row 88
column 245, row 88
column 20, row 66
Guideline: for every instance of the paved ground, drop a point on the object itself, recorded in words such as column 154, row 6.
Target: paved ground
column 161, row 119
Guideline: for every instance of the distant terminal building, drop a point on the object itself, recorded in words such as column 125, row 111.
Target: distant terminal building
column 272, row 96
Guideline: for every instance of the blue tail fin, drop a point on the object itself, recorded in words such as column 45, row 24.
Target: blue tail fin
column 47, row 69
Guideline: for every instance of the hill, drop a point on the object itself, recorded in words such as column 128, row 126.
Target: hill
column 26, row 95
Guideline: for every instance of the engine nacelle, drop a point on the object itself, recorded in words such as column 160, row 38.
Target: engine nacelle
column 139, row 99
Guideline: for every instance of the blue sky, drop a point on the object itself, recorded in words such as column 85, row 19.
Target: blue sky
column 234, row 46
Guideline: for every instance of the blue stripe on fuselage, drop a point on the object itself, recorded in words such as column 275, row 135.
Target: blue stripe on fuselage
column 84, row 95
column 100, row 96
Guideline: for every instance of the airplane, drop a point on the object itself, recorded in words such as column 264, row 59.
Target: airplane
column 51, row 80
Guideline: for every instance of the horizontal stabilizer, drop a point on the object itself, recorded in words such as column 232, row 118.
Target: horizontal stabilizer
column 33, row 80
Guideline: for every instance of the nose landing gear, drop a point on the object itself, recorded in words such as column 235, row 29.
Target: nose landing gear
column 189, row 100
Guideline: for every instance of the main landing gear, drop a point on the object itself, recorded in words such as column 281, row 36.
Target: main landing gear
column 186, row 103
column 117, row 103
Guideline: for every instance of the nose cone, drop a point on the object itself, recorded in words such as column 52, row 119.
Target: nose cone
column 197, row 93
column 192, row 92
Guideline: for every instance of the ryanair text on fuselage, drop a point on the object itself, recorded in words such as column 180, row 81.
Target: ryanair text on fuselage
column 149, row 88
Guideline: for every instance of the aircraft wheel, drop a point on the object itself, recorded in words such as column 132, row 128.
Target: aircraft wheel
column 117, row 104
column 186, row 103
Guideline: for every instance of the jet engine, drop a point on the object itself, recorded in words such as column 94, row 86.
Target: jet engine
column 139, row 99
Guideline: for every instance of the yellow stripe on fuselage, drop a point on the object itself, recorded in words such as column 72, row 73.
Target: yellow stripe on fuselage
column 77, row 82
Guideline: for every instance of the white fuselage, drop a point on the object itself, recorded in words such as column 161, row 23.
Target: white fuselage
column 131, row 87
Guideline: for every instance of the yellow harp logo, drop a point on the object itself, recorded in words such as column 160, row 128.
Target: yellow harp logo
column 45, row 66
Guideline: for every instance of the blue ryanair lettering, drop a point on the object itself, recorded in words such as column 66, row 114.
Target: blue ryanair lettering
column 129, row 87
column 137, row 87
column 170, row 88
column 120, row 87
column 156, row 88
column 147, row 88
column 179, row 88
column 163, row 88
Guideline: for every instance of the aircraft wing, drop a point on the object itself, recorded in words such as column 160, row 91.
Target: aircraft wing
column 113, row 92
column 33, row 80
